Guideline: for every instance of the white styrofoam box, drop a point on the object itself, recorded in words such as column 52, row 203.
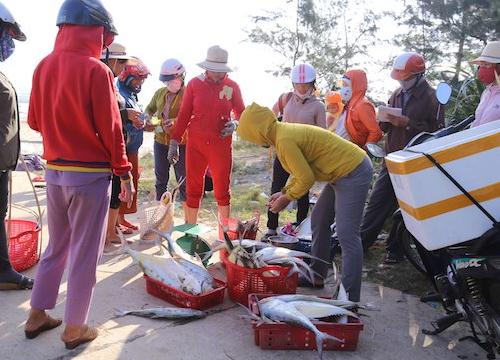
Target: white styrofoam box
column 435, row 211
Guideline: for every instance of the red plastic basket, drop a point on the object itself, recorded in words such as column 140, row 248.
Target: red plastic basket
column 182, row 299
column 282, row 336
column 23, row 243
column 232, row 225
column 242, row 281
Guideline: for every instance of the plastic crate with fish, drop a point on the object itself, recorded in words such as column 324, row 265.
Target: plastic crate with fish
column 183, row 299
column 238, row 229
column 281, row 336
column 242, row 281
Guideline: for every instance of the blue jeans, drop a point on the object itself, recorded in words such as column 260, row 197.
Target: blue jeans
column 162, row 170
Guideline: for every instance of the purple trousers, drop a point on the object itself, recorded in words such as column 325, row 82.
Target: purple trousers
column 77, row 211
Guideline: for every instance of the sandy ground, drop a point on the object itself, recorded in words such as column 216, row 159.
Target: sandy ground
column 391, row 332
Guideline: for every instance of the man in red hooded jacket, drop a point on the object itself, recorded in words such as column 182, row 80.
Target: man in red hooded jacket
column 73, row 105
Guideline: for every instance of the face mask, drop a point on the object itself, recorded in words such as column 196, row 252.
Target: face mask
column 486, row 75
column 346, row 93
column 303, row 96
column 408, row 84
column 107, row 39
column 6, row 46
column 173, row 85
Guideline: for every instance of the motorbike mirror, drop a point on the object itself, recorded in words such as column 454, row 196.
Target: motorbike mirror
column 443, row 93
column 375, row 150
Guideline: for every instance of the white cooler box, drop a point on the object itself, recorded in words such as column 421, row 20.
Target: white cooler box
column 434, row 210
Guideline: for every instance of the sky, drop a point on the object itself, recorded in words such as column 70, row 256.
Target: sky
column 157, row 30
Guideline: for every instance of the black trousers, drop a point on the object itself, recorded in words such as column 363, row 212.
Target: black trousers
column 280, row 177
column 4, row 197
column 381, row 205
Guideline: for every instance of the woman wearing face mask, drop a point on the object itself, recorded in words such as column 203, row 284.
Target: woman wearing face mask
column 419, row 106
column 300, row 107
column 358, row 122
column 334, row 108
column 115, row 57
column 206, row 109
column 489, row 74
column 130, row 82
column 9, row 147
column 165, row 105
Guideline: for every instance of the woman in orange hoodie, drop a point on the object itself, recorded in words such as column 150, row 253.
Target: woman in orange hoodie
column 358, row 121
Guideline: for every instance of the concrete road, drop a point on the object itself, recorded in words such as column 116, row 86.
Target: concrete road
column 391, row 332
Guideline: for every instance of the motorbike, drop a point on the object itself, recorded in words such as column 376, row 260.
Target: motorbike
column 466, row 275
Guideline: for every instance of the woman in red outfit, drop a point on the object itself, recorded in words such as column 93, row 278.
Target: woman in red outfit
column 206, row 114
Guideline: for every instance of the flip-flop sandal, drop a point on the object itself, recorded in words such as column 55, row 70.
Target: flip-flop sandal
column 48, row 325
column 89, row 335
column 125, row 230
column 129, row 225
column 25, row 283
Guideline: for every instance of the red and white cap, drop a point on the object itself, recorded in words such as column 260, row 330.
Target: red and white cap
column 303, row 74
column 407, row 64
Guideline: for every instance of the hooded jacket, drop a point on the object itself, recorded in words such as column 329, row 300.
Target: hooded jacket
column 73, row 105
column 9, row 125
column 308, row 153
column 361, row 121
column 206, row 107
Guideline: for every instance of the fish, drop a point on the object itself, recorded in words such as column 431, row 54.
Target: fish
column 168, row 313
column 300, row 297
column 297, row 264
column 175, row 250
column 318, row 310
column 207, row 281
column 269, row 253
column 168, row 271
column 245, row 243
column 278, row 310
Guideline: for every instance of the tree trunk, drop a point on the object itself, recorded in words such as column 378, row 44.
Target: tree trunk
column 459, row 57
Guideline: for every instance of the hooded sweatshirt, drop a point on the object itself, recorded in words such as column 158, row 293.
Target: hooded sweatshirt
column 73, row 105
column 361, row 122
column 308, row 153
column 206, row 108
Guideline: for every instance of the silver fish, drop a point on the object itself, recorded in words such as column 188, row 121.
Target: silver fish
column 168, row 271
column 318, row 310
column 200, row 273
column 245, row 243
column 278, row 310
column 299, row 297
column 175, row 250
column 269, row 253
column 164, row 313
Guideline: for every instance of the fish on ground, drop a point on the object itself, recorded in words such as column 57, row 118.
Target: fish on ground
column 168, row 313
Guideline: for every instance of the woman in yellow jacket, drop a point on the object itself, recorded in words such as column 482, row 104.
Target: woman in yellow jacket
column 165, row 105
column 310, row 154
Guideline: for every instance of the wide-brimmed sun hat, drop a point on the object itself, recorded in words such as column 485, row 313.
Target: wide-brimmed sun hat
column 490, row 54
column 116, row 51
column 216, row 60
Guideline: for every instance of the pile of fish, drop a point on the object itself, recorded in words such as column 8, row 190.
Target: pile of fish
column 256, row 254
column 302, row 310
column 176, row 268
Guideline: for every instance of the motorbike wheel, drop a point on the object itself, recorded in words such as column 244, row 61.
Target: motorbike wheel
column 409, row 248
